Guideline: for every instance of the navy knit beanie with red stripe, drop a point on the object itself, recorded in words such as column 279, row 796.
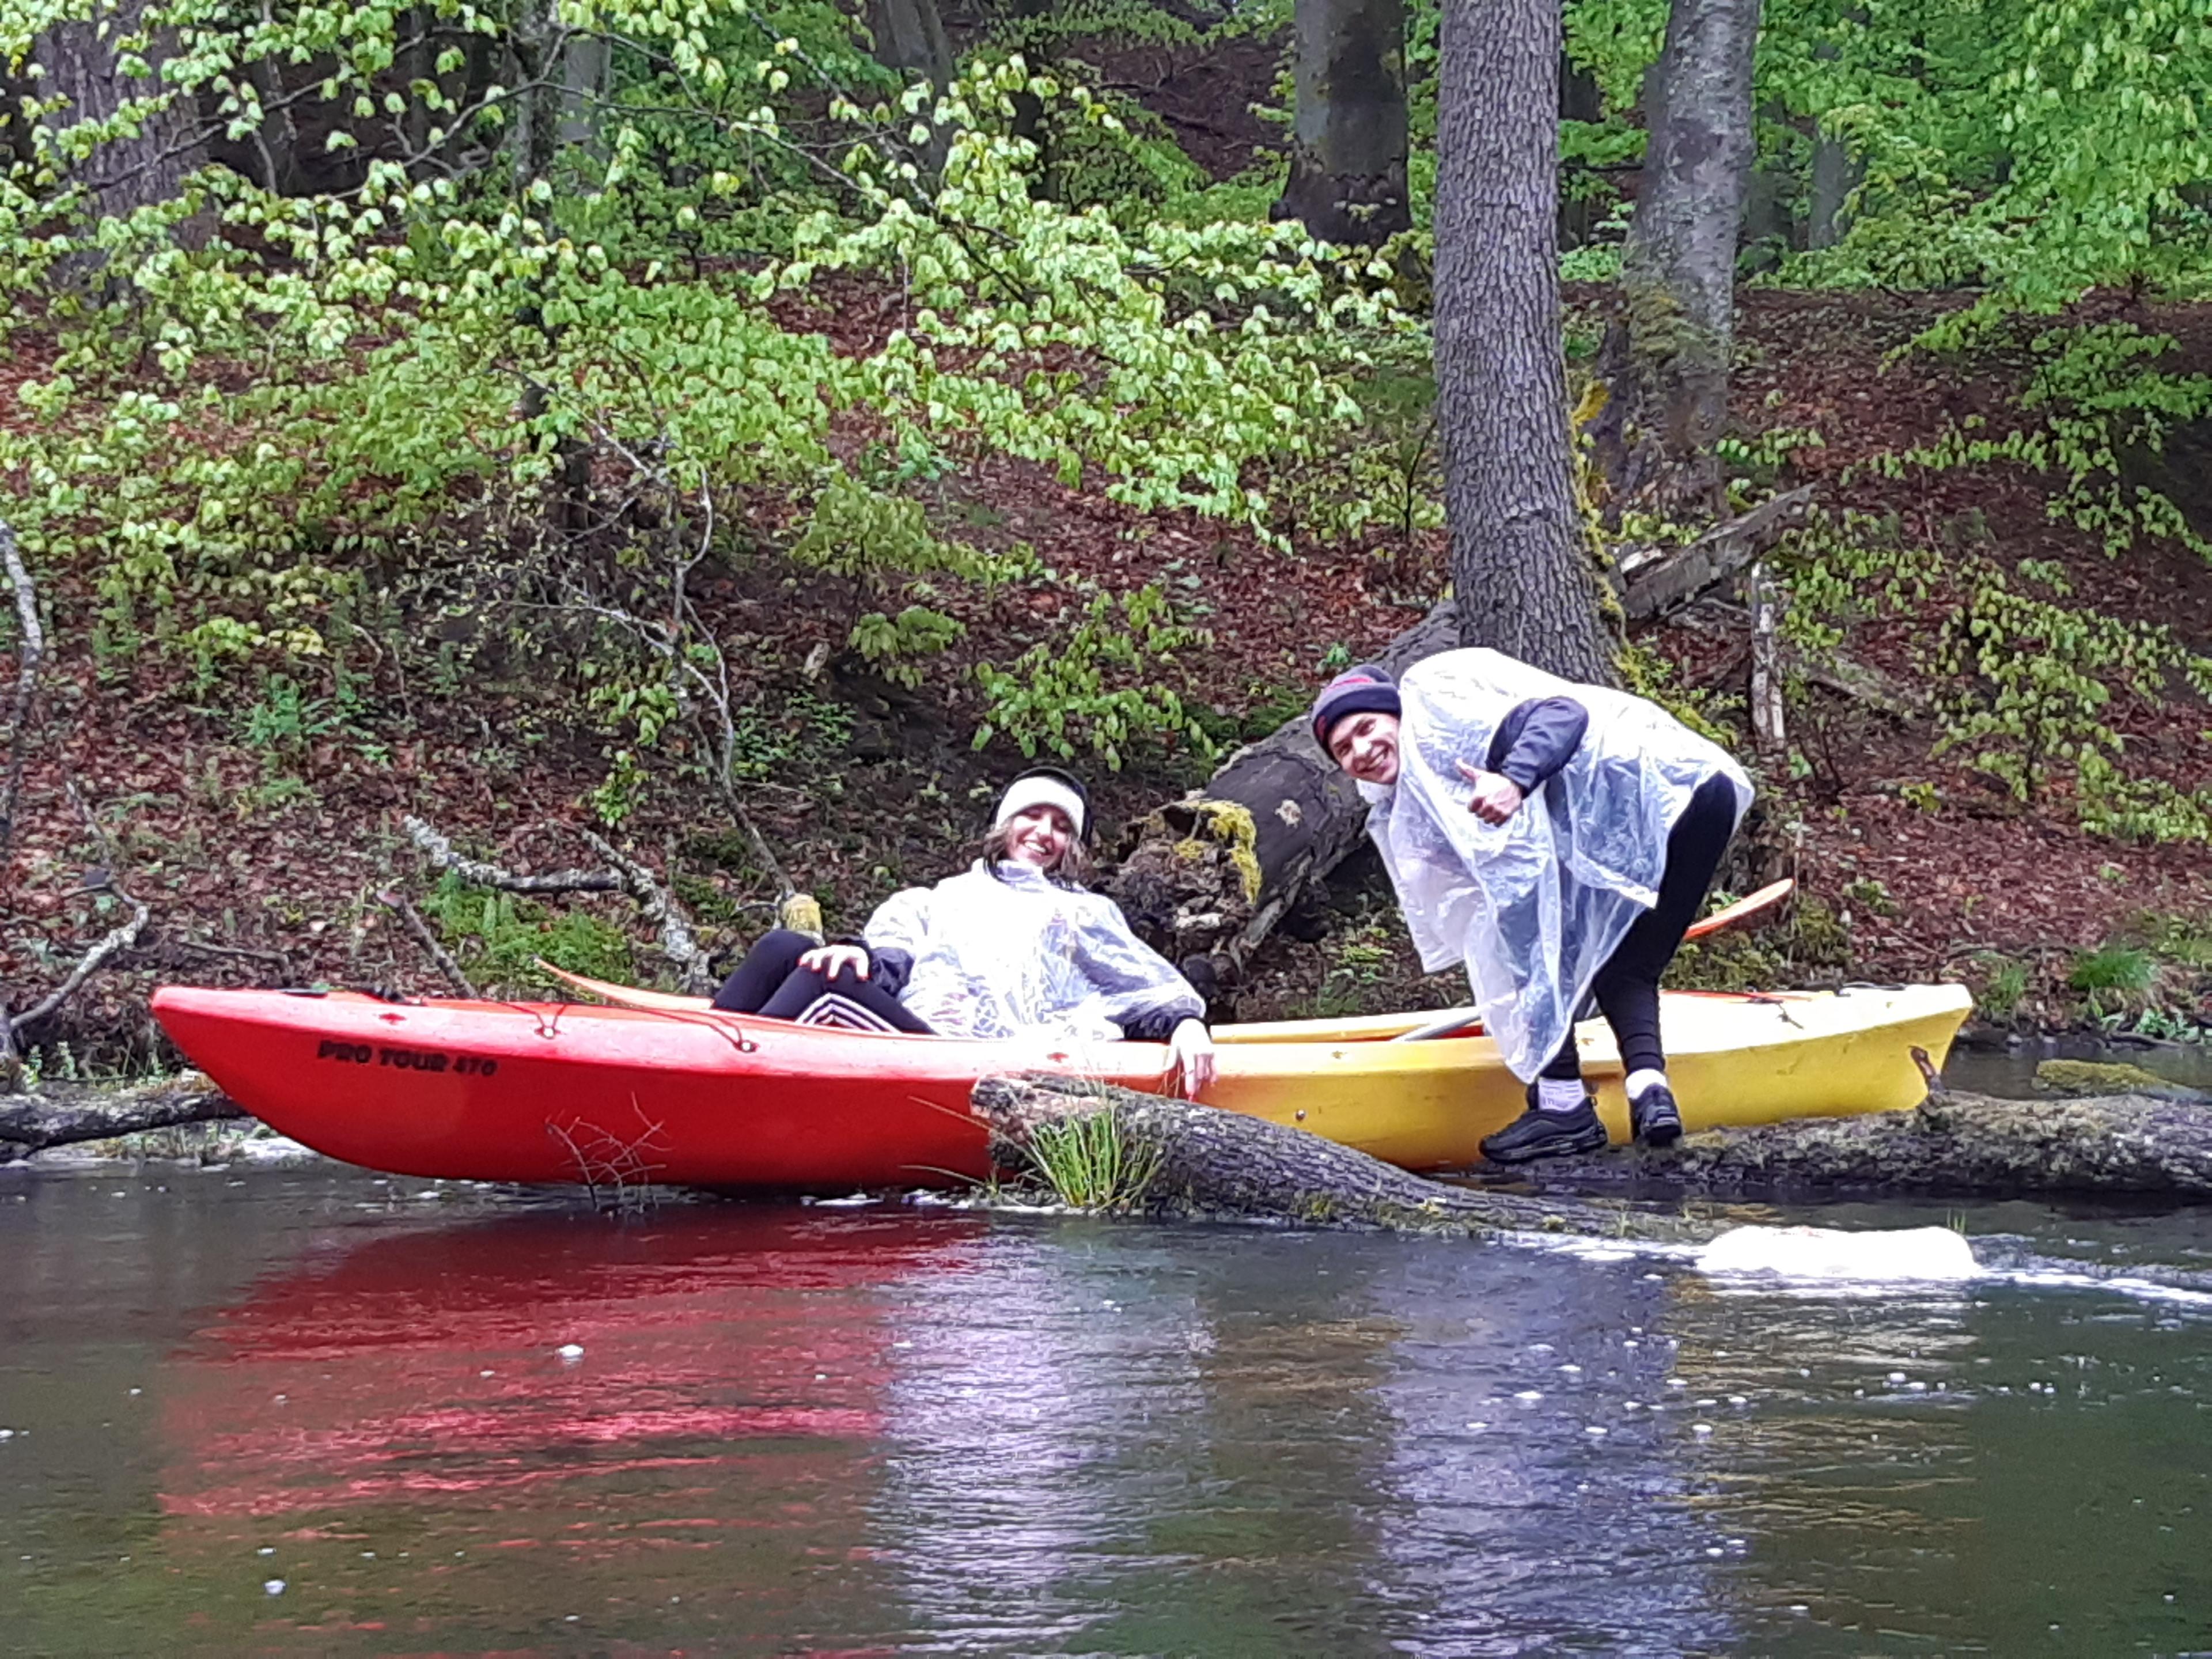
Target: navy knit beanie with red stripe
column 1366, row 690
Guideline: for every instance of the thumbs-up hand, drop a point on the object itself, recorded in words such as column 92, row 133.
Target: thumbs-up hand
column 1496, row 798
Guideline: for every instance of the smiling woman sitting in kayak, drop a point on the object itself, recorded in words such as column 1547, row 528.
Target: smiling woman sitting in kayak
column 1557, row 839
column 1013, row 946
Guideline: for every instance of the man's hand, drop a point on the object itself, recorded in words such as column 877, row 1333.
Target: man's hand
column 1190, row 1057
column 830, row 960
column 1496, row 798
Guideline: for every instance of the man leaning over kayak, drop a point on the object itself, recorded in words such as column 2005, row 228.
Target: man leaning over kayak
column 1012, row 947
column 1558, row 840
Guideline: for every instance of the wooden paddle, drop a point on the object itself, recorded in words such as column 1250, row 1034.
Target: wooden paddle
column 1464, row 1021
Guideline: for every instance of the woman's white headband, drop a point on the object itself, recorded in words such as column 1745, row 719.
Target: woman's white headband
column 1025, row 792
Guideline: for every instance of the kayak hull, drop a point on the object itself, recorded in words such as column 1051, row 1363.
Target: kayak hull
column 562, row 1092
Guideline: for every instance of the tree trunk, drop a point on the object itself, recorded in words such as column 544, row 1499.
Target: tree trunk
column 539, row 45
column 1347, row 181
column 82, row 64
column 1836, row 174
column 1580, row 100
column 910, row 37
column 1203, row 880
column 584, row 66
column 1666, row 357
column 1520, row 557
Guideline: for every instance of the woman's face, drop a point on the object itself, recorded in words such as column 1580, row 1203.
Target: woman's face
column 1037, row 836
column 1366, row 745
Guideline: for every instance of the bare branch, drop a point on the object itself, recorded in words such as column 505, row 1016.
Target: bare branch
column 440, row 852
column 412, row 918
column 662, row 908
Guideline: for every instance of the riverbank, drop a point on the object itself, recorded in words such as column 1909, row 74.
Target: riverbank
column 256, row 810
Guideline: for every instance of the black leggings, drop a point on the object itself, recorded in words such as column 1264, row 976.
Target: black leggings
column 1627, row 987
column 770, row 982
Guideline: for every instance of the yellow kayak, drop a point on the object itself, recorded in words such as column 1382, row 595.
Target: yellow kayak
column 1732, row 1059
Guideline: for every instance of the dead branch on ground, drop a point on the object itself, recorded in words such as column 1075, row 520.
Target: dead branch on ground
column 61, row 1117
column 411, row 918
column 656, row 901
column 116, row 940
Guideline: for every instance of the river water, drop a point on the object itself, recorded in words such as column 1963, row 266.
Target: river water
column 307, row 1410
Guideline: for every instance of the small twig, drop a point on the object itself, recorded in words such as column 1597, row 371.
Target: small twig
column 398, row 905
column 440, row 852
column 210, row 947
column 29, row 652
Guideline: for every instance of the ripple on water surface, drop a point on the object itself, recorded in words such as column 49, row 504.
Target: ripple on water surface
column 315, row 1413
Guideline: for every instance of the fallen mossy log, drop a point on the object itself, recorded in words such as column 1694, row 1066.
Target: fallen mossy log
column 1203, row 879
column 64, row 1117
column 1202, row 1162
column 2111, row 1145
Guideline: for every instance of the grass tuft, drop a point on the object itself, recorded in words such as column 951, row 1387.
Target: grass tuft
column 1092, row 1162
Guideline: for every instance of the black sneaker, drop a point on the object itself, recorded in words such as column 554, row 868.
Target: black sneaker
column 1535, row 1134
column 1654, row 1117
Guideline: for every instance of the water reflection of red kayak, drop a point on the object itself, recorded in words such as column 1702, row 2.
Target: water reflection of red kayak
column 412, row 1395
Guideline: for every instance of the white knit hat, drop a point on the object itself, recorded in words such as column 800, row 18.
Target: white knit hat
column 1046, row 786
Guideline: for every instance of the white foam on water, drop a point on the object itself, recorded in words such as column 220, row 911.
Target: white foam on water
column 1878, row 1255
column 2147, row 1290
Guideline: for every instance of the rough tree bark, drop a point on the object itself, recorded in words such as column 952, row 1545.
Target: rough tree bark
column 31, row 1123
column 1520, row 558
column 2117, row 1146
column 1224, row 1165
column 1836, row 174
column 1347, row 180
column 1666, row 357
column 81, row 63
column 909, row 37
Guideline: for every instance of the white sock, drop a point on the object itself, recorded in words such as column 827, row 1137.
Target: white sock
column 1558, row 1095
column 1641, row 1083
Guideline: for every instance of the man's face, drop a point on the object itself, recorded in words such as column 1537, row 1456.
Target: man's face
column 1366, row 745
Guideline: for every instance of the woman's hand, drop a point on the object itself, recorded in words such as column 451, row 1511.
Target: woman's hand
column 831, row 960
column 1190, row 1057
column 1496, row 798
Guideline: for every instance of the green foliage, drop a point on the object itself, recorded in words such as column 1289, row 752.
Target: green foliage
column 497, row 937
column 894, row 645
column 2004, row 986
column 2026, row 686
column 1092, row 1162
column 1088, row 691
column 2115, row 979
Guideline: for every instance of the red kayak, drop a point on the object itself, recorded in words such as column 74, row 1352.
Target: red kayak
column 553, row 1092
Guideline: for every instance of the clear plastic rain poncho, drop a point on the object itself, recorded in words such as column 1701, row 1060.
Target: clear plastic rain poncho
column 1536, row 905
column 1016, row 954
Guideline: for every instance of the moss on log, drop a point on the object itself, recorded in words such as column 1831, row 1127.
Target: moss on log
column 61, row 1117
column 2097, row 1077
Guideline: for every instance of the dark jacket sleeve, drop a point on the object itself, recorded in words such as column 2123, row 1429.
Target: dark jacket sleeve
column 1536, row 740
column 1152, row 1028
column 888, row 968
